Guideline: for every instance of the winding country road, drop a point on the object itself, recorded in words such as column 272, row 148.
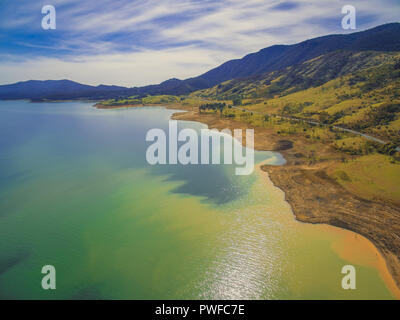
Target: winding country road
column 316, row 123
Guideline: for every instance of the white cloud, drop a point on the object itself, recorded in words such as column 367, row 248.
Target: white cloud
column 133, row 69
column 221, row 30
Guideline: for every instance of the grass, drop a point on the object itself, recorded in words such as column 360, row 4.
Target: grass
column 371, row 176
column 357, row 166
column 148, row 100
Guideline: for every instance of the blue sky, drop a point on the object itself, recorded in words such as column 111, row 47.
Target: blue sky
column 139, row 42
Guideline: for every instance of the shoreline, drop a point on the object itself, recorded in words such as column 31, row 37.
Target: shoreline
column 348, row 250
column 314, row 197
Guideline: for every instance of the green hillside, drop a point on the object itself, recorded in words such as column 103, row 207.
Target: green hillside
column 359, row 91
column 309, row 103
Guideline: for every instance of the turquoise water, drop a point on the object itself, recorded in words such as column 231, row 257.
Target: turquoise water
column 76, row 192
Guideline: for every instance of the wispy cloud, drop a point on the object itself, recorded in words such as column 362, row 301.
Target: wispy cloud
column 146, row 41
column 147, row 66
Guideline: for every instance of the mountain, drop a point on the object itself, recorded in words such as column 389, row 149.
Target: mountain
column 57, row 89
column 172, row 86
column 308, row 74
column 382, row 38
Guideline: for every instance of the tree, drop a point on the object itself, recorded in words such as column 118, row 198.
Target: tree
column 237, row 101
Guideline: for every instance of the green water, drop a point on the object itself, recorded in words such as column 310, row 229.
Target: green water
column 77, row 193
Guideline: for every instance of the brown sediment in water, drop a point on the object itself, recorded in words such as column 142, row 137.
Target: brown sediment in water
column 354, row 247
column 357, row 249
column 318, row 199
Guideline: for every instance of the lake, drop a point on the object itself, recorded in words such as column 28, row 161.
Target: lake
column 76, row 192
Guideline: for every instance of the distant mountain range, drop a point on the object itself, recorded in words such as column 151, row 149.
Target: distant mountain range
column 58, row 89
column 383, row 38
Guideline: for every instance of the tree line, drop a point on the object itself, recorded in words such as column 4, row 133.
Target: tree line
column 213, row 106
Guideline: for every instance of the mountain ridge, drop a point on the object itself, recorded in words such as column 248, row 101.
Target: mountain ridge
column 310, row 73
column 276, row 57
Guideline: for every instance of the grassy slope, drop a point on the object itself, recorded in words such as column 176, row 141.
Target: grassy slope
column 373, row 176
column 346, row 89
column 347, row 98
column 148, row 100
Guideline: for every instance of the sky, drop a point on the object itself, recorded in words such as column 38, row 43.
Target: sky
column 140, row 42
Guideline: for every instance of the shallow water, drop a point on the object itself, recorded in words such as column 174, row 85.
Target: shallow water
column 77, row 193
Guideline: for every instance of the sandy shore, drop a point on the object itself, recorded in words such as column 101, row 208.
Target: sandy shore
column 317, row 198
